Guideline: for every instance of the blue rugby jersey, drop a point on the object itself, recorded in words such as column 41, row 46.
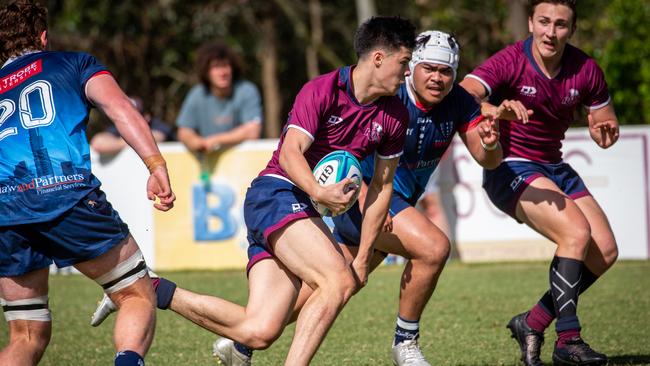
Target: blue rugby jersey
column 44, row 152
column 428, row 135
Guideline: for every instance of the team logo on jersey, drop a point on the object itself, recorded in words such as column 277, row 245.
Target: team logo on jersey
column 571, row 99
column 334, row 120
column 424, row 120
column 375, row 132
column 528, row 91
column 298, row 207
column 447, row 128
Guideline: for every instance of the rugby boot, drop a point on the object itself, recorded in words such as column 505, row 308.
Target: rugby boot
column 105, row 307
column 408, row 353
column 226, row 353
column 576, row 352
column 530, row 341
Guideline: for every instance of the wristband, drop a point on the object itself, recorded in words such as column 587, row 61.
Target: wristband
column 154, row 161
column 492, row 147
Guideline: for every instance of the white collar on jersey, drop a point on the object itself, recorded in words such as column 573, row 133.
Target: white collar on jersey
column 24, row 53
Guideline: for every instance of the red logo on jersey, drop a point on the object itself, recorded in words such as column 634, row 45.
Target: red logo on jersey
column 18, row 77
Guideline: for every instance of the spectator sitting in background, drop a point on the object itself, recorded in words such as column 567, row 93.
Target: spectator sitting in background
column 110, row 141
column 222, row 109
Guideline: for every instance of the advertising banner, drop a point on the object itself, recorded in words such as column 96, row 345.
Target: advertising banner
column 205, row 229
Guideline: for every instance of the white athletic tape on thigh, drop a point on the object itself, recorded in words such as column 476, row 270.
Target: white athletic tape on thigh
column 124, row 274
column 27, row 309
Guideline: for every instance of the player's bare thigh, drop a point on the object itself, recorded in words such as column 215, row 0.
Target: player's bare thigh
column 546, row 209
column 272, row 294
column 308, row 249
column 98, row 266
column 29, row 285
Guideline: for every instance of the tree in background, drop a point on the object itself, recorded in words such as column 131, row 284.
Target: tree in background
column 150, row 45
column 626, row 58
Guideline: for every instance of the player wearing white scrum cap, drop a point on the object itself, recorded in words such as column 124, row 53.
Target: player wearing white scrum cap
column 436, row 47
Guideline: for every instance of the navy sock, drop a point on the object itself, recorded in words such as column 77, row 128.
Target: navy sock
column 564, row 275
column 406, row 330
column 164, row 293
column 243, row 349
column 128, row 358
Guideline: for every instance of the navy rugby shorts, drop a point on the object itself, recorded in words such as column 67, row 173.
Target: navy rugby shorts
column 505, row 184
column 84, row 232
column 347, row 227
column 271, row 204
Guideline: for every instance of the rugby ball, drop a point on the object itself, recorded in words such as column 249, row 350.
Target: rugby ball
column 333, row 168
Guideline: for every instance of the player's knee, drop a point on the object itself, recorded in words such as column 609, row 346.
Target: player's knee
column 610, row 252
column 431, row 250
column 140, row 292
column 263, row 334
column 341, row 287
column 578, row 239
column 438, row 252
column 31, row 337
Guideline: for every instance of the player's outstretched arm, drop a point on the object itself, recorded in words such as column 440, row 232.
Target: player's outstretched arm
column 375, row 208
column 511, row 110
column 103, row 91
column 475, row 88
column 603, row 126
column 482, row 141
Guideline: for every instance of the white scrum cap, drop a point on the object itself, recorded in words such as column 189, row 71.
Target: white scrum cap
column 437, row 48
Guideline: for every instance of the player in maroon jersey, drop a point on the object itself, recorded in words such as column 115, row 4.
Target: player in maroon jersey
column 533, row 184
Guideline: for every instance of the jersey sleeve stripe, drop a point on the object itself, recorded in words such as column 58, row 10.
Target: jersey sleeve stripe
column 487, row 87
column 386, row 157
column 472, row 124
column 601, row 105
column 302, row 130
column 103, row 72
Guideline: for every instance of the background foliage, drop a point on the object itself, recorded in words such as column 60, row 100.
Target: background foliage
column 150, row 45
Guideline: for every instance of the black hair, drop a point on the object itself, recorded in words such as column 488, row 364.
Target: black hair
column 389, row 33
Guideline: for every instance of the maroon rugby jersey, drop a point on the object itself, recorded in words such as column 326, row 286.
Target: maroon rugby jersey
column 326, row 110
column 512, row 73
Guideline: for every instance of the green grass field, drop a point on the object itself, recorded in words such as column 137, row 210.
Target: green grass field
column 464, row 323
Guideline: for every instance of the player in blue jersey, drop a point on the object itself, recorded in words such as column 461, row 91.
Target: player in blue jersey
column 51, row 206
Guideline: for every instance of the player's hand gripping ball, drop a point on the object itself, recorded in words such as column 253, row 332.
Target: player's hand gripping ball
column 333, row 168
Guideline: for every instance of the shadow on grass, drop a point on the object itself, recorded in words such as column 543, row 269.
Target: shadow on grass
column 629, row 360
